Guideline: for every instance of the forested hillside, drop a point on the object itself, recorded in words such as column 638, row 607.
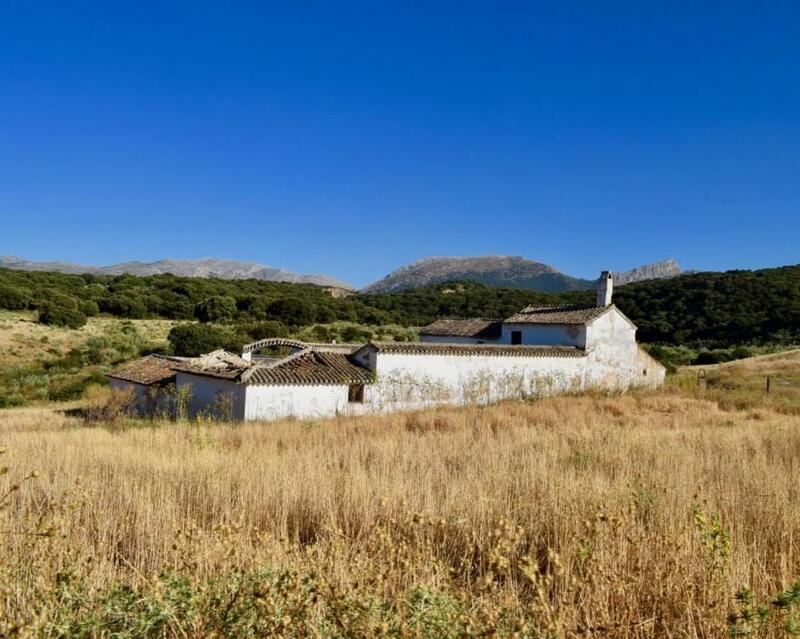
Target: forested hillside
column 702, row 310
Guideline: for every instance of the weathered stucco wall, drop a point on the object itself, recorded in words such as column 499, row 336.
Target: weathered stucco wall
column 138, row 392
column 212, row 396
column 611, row 348
column 147, row 400
column 275, row 402
column 546, row 335
column 650, row 372
column 406, row 381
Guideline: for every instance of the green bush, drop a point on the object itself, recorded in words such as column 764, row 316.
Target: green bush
column 219, row 308
column 124, row 305
column 9, row 401
column 74, row 387
column 56, row 315
column 14, row 298
column 265, row 330
column 88, row 307
column 190, row 340
column 292, row 311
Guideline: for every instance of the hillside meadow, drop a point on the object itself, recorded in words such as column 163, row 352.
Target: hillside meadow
column 658, row 514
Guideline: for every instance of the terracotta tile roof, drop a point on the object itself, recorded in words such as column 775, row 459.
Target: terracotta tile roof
column 306, row 367
column 219, row 364
column 309, row 367
column 152, row 369
column 492, row 350
column 274, row 342
column 557, row 314
column 476, row 327
column 341, row 347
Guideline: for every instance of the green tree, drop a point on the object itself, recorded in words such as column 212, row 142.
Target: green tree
column 15, row 298
column 125, row 304
column 55, row 314
column 270, row 328
column 292, row 311
column 219, row 308
column 190, row 340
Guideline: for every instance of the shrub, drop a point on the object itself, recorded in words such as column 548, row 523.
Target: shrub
column 190, row 340
column 88, row 307
column 74, row 388
column 292, row 311
column 325, row 315
column 57, row 315
column 219, row 308
column 270, row 328
column 124, row 305
column 9, row 401
column 356, row 333
column 14, row 299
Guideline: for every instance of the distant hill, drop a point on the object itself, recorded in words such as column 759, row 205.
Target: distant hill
column 206, row 267
column 655, row 271
column 503, row 271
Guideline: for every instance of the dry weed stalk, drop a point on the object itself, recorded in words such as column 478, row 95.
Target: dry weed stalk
column 633, row 516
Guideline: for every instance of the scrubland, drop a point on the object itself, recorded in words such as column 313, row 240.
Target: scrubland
column 657, row 514
column 41, row 363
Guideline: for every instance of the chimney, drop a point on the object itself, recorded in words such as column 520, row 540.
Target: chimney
column 605, row 289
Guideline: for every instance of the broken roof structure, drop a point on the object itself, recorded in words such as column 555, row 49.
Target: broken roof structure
column 478, row 328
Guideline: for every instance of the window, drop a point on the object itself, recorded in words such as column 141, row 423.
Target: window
column 355, row 394
column 516, row 337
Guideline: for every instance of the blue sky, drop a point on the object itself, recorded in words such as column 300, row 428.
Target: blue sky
column 350, row 138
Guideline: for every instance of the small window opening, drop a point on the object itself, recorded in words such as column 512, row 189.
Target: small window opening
column 516, row 337
column 355, row 394
column 644, row 372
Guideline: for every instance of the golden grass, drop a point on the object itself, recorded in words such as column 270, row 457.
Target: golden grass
column 630, row 516
column 23, row 338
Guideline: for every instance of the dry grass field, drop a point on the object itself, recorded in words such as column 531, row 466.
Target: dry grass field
column 21, row 335
column 40, row 364
column 659, row 514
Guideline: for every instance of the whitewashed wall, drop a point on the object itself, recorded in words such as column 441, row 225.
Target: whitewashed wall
column 212, row 396
column 138, row 393
column 546, row 335
column 274, row 402
column 650, row 372
column 407, row 381
column 612, row 352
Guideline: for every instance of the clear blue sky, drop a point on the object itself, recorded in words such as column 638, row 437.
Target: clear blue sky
column 350, row 138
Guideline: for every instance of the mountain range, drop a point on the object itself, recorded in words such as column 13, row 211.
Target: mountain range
column 506, row 271
column 497, row 271
column 205, row 267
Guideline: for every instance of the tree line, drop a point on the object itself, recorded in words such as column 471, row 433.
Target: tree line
column 701, row 310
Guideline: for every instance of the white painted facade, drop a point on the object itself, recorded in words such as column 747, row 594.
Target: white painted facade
column 405, row 381
column 306, row 402
column 546, row 334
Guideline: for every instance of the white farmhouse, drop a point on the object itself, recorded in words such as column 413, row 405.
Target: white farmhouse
column 541, row 350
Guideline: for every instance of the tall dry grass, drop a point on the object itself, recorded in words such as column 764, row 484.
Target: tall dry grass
column 631, row 516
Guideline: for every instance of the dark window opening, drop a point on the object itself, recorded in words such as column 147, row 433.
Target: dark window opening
column 355, row 394
column 516, row 337
column 644, row 372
